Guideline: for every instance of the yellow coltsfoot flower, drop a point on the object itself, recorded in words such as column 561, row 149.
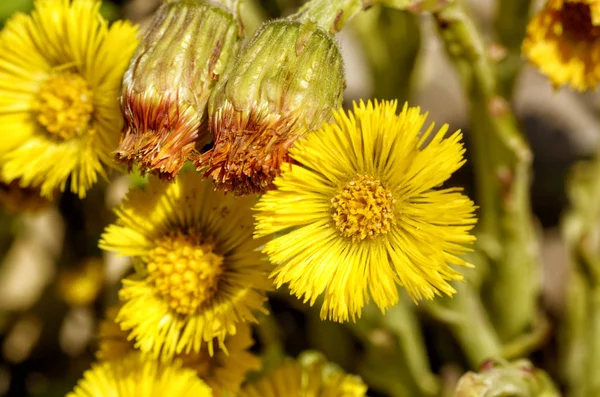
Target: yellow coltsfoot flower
column 201, row 273
column 563, row 42
column 60, row 75
column 223, row 372
column 360, row 213
column 309, row 376
column 133, row 376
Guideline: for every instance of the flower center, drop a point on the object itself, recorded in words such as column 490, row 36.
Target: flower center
column 576, row 19
column 185, row 270
column 64, row 105
column 363, row 208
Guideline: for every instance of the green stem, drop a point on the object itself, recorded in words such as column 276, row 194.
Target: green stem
column 396, row 357
column 330, row 15
column 402, row 321
column 525, row 344
column 466, row 317
column 502, row 162
column 593, row 363
column 269, row 337
column 391, row 40
column 574, row 336
column 512, row 17
column 580, row 330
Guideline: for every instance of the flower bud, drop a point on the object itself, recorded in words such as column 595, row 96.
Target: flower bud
column 284, row 83
column 168, row 83
column 520, row 378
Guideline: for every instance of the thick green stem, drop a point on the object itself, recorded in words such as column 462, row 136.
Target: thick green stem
column 574, row 336
column 510, row 25
column 402, row 321
column 391, row 40
column 502, row 162
column 527, row 343
column 594, row 347
column 330, row 15
column 580, row 330
column 466, row 317
column 396, row 357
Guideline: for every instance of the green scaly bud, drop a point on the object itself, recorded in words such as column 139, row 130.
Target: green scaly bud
column 168, row 83
column 284, row 83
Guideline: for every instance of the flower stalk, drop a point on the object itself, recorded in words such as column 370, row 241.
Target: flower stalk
column 502, row 161
column 581, row 326
column 406, row 370
column 511, row 21
column 466, row 317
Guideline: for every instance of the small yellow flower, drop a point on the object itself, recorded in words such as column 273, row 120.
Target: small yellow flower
column 563, row 41
column 223, row 372
column 310, row 376
column 61, row 71
column 81, row 285
column 201, row 273
column 361, row 214
column 133, row 376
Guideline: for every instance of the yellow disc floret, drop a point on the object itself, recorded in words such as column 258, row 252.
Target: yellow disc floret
column 363, row 208
column 185, row 270
column 64, row 105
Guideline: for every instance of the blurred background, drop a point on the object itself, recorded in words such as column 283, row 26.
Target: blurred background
column 55, row 284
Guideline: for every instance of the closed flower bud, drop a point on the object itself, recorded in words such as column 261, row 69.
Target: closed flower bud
column 284, row 83
column 168, row 83
column 520, row 378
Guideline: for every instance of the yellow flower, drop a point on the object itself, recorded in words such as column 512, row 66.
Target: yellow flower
column 224, row 373
column 563, row 42
column 310, row 376
column 60, row 73
column 82, row 284
column 133, row 376
column 200, row 273
column 361, row 215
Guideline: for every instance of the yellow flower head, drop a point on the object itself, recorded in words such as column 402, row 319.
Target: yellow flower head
column 201, row 273
column 310, row 376
column 361, row 215
column 61, row 71
column 563, row 41
column 134, row 376
column 223, row 372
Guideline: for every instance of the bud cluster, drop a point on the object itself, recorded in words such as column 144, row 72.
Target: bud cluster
column 185, row 88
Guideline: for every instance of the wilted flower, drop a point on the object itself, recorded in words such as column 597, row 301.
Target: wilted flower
column 284, row 83
column 563, row 41
column 61, row 70
column 360, row 214
column 169, row 80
